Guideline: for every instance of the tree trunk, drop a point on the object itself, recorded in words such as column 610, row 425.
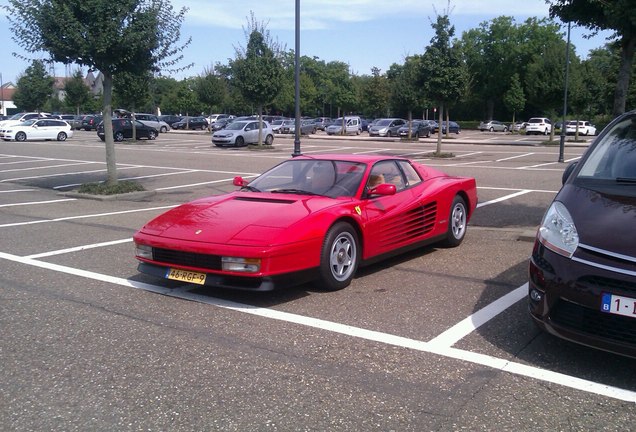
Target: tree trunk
column 622, row 82
column 260, row 126
column 111, row 165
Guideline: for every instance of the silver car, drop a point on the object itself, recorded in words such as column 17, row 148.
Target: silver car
column 493, row 126
column 240, row 133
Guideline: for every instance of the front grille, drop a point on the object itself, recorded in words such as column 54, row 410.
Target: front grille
column 596, row 323
column 614, row 286
column 188, row 259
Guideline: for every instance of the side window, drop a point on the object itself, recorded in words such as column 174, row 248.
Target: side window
column 386, row 172
column 412, row 177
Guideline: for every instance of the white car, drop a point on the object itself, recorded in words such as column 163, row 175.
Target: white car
column 240, row 133
column 538, row 126
column 585, row 128
column 37, row 129
column 21, row 117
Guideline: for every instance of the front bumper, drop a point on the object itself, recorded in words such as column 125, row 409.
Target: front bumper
column 565, row 300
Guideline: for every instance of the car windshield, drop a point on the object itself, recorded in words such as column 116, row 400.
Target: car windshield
column 384, row 122
column 331, row 178
column 612, row 161
column 28, row 122
column 16, row 116
column 239, row 125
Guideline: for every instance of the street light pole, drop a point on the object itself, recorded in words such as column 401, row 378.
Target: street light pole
column 297, row 82
column 565, row 97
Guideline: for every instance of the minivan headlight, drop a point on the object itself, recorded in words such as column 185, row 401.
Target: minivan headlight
column 557, row 231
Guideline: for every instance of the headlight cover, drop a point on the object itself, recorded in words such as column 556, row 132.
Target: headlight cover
column 557, row 231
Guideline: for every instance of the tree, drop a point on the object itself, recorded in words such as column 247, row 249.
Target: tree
column 376, row 93
column 514, row 99
column 77, row 92
column 406, row 95
column 617, row 15
column 34, row 88
column 112, row 37
column 442, row 72
column 210, row 89
column 257, row 70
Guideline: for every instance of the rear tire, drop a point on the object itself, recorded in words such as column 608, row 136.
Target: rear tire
column 269, row 140
column 457, row 221
column 61, row 136
column 339, row 257
column 119, row 136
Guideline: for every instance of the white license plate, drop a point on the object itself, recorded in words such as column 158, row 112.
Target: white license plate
column 186, row 276
column 618, row 305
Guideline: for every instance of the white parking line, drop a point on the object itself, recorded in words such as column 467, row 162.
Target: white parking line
column 62, row 219
column 504, row 198
column 514, row 157
column 78, row 248
column 46, row 167
column 357, row 332
column 37, row 202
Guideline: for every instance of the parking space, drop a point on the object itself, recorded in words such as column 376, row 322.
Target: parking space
column 434, row 336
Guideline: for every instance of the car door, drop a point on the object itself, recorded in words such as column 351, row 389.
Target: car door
column 251, row 133
column 40, row 130
column 395, row 221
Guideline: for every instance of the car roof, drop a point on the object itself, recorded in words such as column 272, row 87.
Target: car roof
column 351, row 157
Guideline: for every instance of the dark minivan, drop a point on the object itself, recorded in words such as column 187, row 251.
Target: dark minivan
column 582, row 273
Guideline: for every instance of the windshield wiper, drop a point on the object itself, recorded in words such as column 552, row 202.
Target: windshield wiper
column 625, row 180
column 250, row 188
column 293, row 191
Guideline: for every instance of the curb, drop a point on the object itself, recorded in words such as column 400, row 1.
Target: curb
column 130, row 196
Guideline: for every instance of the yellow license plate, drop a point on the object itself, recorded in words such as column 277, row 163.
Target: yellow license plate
column 186, row 276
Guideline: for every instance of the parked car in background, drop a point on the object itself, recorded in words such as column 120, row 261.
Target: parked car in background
column 191, row 123
column 582, row 272
column 278, row 125
column 75, row 121
column 243, row 132
column 538, row 126
column 123, row 129
column 90, row 122
column 584, row 127
column 220, row 124
column 213, row 118
column 519, row 126
column 37, row 129
column 170, row 119
column 153, row 121
column 492, row 126
column 419, row 128
column 322, row 122
column 23, row 116
column 386, row 127
column 353, row 125
column 454, row 127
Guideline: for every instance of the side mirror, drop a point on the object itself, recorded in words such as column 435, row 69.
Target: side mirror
column 568, row 171
column 239, row 181
column 383, row 189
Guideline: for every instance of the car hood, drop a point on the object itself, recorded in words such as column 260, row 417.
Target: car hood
column 602, row 220
column 257, row 219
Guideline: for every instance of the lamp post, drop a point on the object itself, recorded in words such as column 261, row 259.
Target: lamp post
column 565, row 97
column 297, row 82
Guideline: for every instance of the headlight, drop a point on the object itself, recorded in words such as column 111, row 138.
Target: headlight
column 244, row 265
column 557, row 231
column 143, row 251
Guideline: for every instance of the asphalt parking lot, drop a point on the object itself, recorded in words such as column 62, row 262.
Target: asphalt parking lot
column 437, row 339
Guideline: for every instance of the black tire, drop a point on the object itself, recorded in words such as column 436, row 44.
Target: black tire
column 505, row 129
column 457, row 223
column 152, row 135
column 389, row 134
column 20, row 136
column 239, row 142
column 545, row 132
column 164, row 129
column 492, row 129
column 61, row 136
column 339, row 257
column 269, row 139
column 119, row 136
column 428, row 134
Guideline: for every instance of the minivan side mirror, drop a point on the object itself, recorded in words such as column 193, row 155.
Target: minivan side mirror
column 568, row 171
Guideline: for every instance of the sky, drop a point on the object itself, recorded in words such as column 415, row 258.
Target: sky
column 361, row 33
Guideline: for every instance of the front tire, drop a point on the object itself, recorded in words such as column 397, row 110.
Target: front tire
column 339, row 257
column 457, row 222
column 20, row 136
column 239, row 142
column 164, row 129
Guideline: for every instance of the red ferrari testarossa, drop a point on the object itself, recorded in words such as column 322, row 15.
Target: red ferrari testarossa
column 310, row 218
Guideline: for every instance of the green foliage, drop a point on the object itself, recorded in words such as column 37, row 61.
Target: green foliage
column 77, row 93
column 514, row 99
column 34, row 88
column 131, row 90
column 121, row 187
column 211, row 90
